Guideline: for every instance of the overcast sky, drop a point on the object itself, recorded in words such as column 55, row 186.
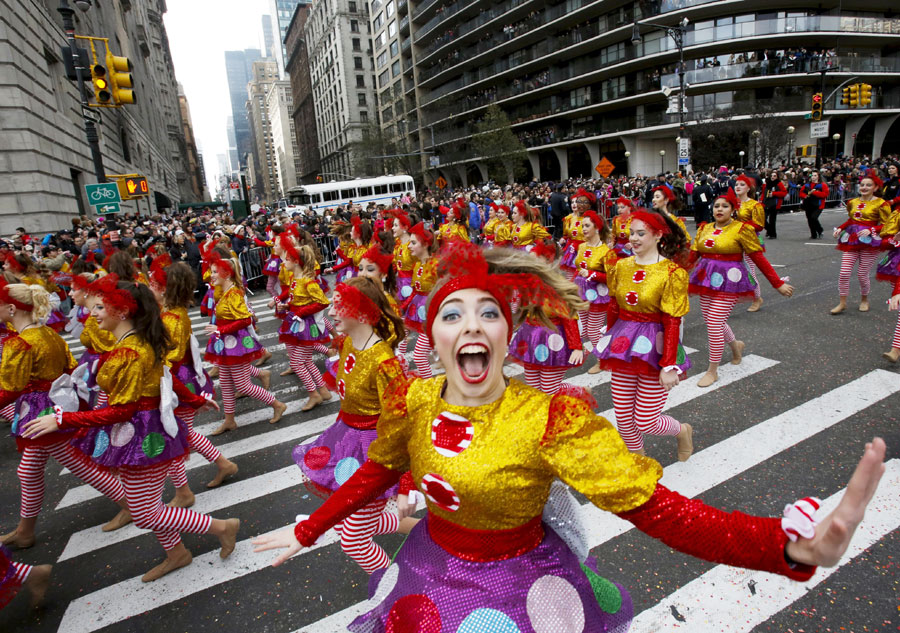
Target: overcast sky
column 200, row 31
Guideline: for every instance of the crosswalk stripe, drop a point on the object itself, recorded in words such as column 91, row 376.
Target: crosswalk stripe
column 720, row 462
column 708, row 603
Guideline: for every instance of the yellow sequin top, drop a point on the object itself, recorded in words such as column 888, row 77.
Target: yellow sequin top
column 526, row 234
column 95, row 339
column 451, row 231
column 404, row 262
column 518, row 445
column 354, row 252
column 503, row 232
column 37, row 353
column 178, row 325
column 651, row 289
column 305, row 291
column 754, row 212
column 600, row 258
column 395, row 306
column 622, row 228
column 488, row 229
column 733, row 239
column 130, row 372
column 875, row 210
column 362, row 377
column 572, row 228
column 425, row 276
column 679, row 221
column 231, row 306
column 892, row 225
column 284, row 276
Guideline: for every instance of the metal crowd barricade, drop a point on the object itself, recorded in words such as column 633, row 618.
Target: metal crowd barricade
column 252, row 261
column 327, row 245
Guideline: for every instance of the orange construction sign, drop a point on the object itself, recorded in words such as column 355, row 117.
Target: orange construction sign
column 440, row 183
column 605, row 167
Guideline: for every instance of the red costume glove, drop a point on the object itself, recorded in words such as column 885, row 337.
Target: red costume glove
column 407, row 484
column 233, row 326
column 759, row 258
column 370, row 480
column 344, row 264
column 598, row 276
column 671, row 338
column 111, row 414
column 730, row 538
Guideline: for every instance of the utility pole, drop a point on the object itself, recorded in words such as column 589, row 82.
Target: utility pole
column 90, row 128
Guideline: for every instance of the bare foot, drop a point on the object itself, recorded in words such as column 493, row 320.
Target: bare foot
column 168, row 566
column 22, row 541
column 278, row 409
column 314, row 400
column 864, row 306
column 325, row 392
column 737, row 352
column 229, row 538
column 37, row 583
column 839, row 308
column 119, row 521
column 182, row 500
column 265, row 378
column 224, row 428
column 708, row 378
column 287, row 372
column 685, row 442
column 225, row 472
column 756, row 305
column 262, row 360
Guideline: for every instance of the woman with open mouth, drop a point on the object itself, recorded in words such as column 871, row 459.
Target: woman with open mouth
column 751, row 211
column 366, row 368
column 547, row 350
column 484, row 451
column 413, row 309
column 642, row 346
column 722, row 278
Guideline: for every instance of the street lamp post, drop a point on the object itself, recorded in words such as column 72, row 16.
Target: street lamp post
column 741, row 154
column 627, row 162
column 790, row 156
column 90, row 128
column 677, row 34
column 836, row 137
column 662, row 160
column 756, row 134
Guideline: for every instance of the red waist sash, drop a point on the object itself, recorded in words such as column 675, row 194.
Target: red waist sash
column 358, row 422
column 485, row 545
column 640, row 317
column 722, row 257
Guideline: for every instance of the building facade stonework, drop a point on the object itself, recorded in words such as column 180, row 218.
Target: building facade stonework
column 304, row 110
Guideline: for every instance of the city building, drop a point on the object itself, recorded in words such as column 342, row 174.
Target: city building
column 43, row 148
column 268, row 34
column 579, row 81
column 341, row 66
column 304, row 111
column 282, row 11
column 192, row 181
column 264, row 73
column 279, row 105
column 239, row 70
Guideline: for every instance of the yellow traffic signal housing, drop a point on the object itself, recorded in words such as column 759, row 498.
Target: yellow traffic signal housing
column 854, row 96
column 120, row 79
column 131, row 186
column 865, row 95
column 816, row 111
column 845, row 96
column 100, row 82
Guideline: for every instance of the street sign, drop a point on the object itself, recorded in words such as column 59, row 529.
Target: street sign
column 605, row 167
column 434, row 161
column 102, row 193
column 818, row 129
column 440, row 183
column 109, row 207
column 684, row 151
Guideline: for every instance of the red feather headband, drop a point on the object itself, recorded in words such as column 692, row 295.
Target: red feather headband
column 747, row 180
column 582, row 192
column 80, row 282
column 545, row 249
column 14, row 263
column 116, row 300
column 654, row 220
column 351, row 302
column 731, row 197
column 668, row 193
column 879, row 183
column 379, row 258
column 594, row 218
column 401, row 216
column 289, row 250
column 6, row 298
column 625, row 201
column 424, row 235
column 221, row 264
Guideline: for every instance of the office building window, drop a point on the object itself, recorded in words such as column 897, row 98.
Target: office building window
column 352, row 7
column 395, row 68
column 395, row 48
column 360, row 81
column 389, row 8
column 380, row 39
column 383, row 78
column 354, row 26
column 361, row 98
column 358, row 63
column 392, row 29
column 356, row 45
column 381, row 59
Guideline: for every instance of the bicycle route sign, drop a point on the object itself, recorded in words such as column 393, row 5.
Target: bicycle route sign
column 102, row 193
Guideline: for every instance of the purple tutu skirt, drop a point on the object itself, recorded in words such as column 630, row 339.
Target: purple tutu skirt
column 346, row 273
column 546, row 589
column 849, row 239
column 594, row 292
column 716, row 276
column 186, row 374
column 8, row 585
column 334, row 456
column 30, row 406
column 233, row 349
column 416, row 312
column 87, row 368
column 623, row 250
column 141, row 441
column 569, row 255
column 57, row 321
column 637, row 342
column 889, row 266
column 306, row 330
column 404, row 288
column 536, row 346
column 209, row 301
column 273, row 265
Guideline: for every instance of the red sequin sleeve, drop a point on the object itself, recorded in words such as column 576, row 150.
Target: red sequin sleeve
column 233, row 326
column 671, row 338
column 766, row 269
column 730, row 538
column 573, row 338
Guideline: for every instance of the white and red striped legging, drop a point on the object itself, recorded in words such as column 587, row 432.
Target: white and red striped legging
column 896, row 341
column 865, row 260
column 273, row 287
column 8, row 412
column 357, row 530
column 31, row 474
column 198, row 443
column 422, row 355
column 21, row 572
column 716, row 311
column 234, row 378
column 301, row 361
column 754, row 274
column 547, row 379
column 593, row 322
column 639, row 400
column 143, row 490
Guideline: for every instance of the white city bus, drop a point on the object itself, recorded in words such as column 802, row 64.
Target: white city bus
column 361, row 191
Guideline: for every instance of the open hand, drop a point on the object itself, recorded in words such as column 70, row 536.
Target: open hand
column 279, row 540
column 894, row 302
column 576, row 357
column 834, row 533
column 210, row 329
column 40, row 426
column 669, row 379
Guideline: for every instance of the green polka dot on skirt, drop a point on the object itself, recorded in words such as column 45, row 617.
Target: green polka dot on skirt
column 248, row 342
column 608, row 596
column 153, row 445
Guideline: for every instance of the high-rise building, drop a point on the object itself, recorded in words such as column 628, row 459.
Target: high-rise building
column 282, row 11
column 192, row 181
column 304, row 112
column 238, row 68
column 268, row 35
column 234, row 164
column 580, row 80
column 341, row 66
column 264, row 73
column 46, row 157
column 279, row 105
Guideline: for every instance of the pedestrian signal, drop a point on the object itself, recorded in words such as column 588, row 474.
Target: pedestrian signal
column 817, row 105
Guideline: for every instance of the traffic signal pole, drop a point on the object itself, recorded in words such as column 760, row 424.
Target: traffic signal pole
column 90, row 128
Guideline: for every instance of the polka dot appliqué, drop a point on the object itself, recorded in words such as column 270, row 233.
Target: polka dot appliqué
column 344, row 469
column 230, row 342
column 219, row 346
column 101, row 443
column 642, row 345
column 541, row 353
column 121, row 434
column 440, row 492
column 349, row 363
column 631, row 298
column 734, row 274
column 342, row 388
column 602, row 344
column 406, row 291
column 555, row 342
column 422, row 313
column 248, row 342
column 317, row 457
column 487, row 621
column 415, row 613
column 620, row 345
column 554, row 606
column 153, row 445
column 451, row 434
column 590, row 295
column 716, row 280
column 608, row 596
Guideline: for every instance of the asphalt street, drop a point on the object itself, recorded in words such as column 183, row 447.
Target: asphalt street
column 790, row 421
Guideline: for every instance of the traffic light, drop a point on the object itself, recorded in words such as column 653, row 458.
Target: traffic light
column 854, row 96
column 816, row 112
column 120, row 79
column 101, row 84
column 845, row 96
column 865, row 95
column 319, row 179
